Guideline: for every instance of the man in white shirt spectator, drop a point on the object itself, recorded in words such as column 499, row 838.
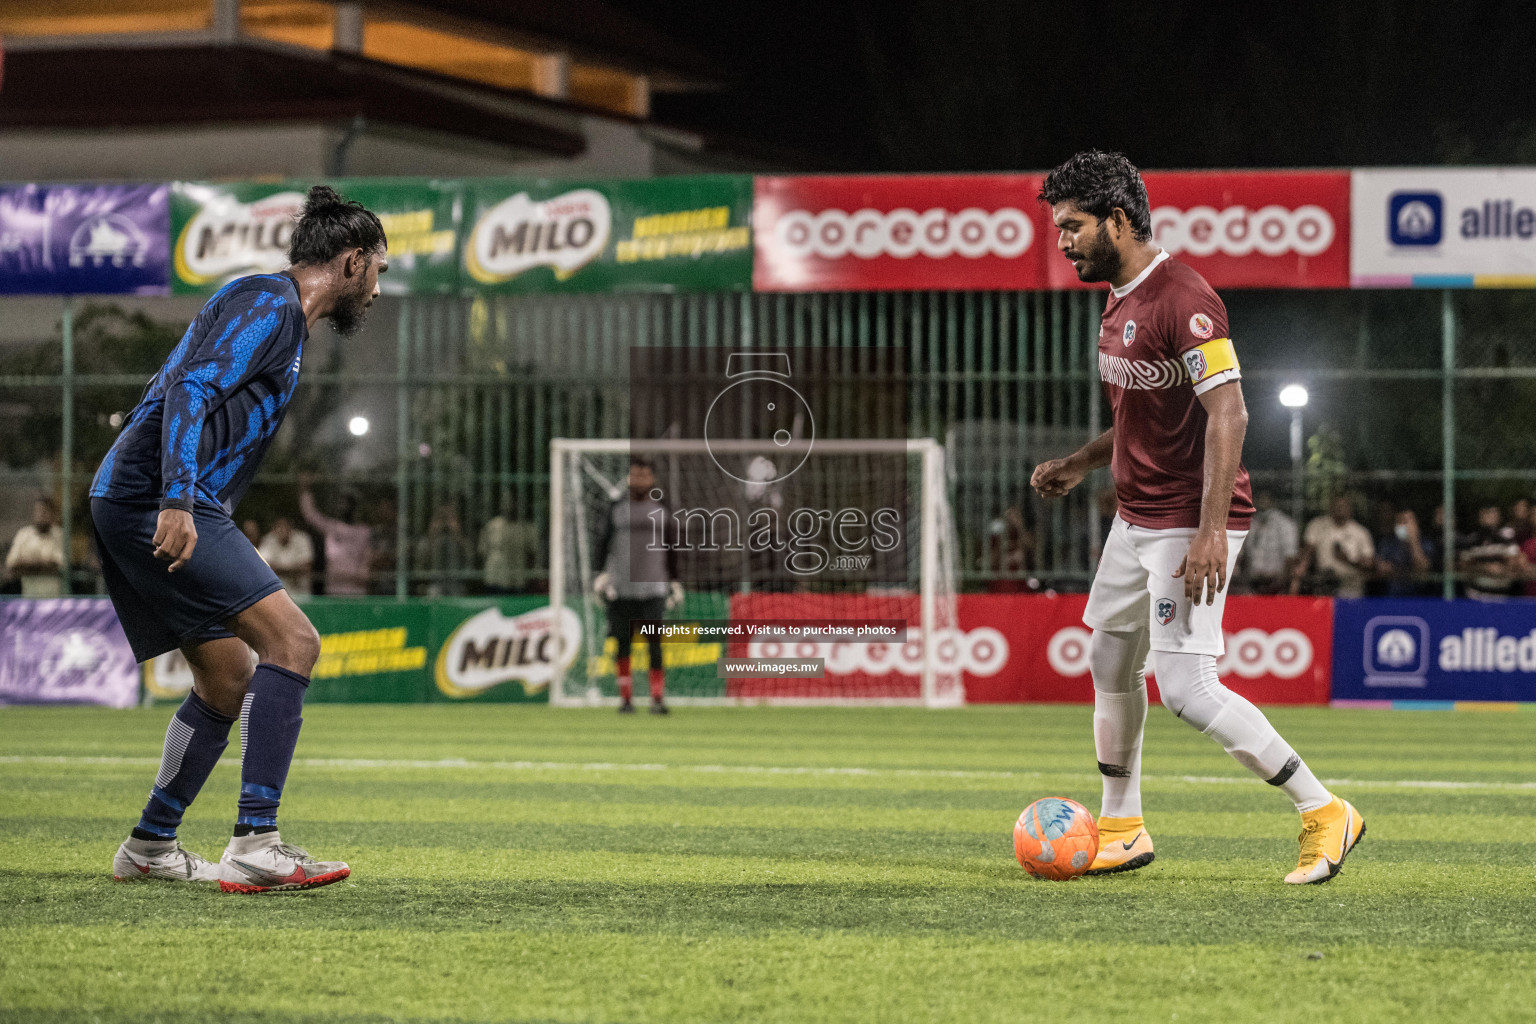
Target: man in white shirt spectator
column 347, row 542
column 1338, row 549
column 1272, row 543
column 510, row 548
column 290, row 554
column 37, row 553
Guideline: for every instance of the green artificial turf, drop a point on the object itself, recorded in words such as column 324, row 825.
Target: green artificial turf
column 798, row 865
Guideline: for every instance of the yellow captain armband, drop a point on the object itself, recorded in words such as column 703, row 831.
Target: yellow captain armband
column 1212, row 363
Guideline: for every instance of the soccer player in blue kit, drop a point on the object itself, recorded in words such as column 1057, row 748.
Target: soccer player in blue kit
column 182, row 575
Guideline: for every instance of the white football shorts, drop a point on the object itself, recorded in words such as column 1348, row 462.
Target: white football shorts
column 1134, row 589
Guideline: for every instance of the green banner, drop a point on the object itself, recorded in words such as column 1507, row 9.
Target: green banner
column 661, row 234
column 387, row 651
column 223, row 231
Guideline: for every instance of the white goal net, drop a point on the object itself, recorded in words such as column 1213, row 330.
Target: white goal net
column 844, row 532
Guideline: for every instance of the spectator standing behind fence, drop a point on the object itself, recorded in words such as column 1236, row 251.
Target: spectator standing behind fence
column 1401, row 561
column 444, row 554
column 1490, row 559
column 1528, row 552
column 510, row 547
column 1520, row 521
column 1271, row 548
column 347, row 542
column 36, row 556
column 1010, row 553
column 291, row 555
column 1338, row 555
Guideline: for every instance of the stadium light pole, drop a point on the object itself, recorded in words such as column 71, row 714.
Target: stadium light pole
column 1294, row 398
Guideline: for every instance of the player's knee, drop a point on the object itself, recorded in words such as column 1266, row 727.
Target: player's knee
column 296, row 648
column 1113, row 661
column 1172, row 680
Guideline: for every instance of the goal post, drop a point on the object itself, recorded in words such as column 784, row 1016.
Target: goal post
column 858, row 531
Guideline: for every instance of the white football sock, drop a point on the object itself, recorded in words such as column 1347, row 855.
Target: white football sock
column 1192, row 691
column 1118, row 663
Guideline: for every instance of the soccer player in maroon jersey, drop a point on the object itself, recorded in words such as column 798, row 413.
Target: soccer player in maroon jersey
column 1172, row 380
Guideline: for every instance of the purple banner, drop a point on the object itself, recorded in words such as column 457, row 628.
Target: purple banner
column 85, row 239
column 67, row 650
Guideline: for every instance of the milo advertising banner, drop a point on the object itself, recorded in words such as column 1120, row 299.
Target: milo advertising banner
column 663, row 234
column 223, row 231
column 385, row 651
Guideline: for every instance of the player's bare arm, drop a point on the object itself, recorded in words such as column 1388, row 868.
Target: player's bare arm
column 1204, row 569
column 1056, row 477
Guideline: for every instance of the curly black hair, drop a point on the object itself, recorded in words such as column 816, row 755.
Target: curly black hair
column 1098, row 182
column 330, row 225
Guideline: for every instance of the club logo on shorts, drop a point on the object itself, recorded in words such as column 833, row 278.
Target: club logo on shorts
column 1201, row 326
column 1166, row 607
column 1194, row 361
column 1130, row 332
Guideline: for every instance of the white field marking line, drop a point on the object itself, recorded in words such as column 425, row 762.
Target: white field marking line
column 749, row 769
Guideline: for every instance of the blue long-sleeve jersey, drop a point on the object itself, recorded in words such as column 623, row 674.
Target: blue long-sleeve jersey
column 206, row 419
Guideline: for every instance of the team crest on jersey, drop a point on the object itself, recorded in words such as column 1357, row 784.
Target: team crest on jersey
column 1201, row 326
column 1194, row 361
column 1130, row 332
column 1166, row 608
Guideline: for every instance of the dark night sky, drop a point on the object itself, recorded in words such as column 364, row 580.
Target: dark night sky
column 994, row 84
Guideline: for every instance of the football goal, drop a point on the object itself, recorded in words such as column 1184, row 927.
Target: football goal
column 835, row 535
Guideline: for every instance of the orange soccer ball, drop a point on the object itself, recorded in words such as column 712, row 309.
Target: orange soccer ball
column 1056, row 838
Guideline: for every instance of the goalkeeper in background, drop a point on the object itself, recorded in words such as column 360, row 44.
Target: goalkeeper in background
column 638, row 581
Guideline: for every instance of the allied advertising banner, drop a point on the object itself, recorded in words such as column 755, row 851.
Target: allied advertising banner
column 1279, row 649
column 84, row 239
column 898, row 232
column 661, row 234
column 1247, row 229
column 1427, row 650
column 384, row 651
column 224, row 231
column 1444, row 228
column 67, row 650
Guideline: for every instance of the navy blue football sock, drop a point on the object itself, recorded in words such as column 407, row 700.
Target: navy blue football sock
column 194, row 740
column 269, row 731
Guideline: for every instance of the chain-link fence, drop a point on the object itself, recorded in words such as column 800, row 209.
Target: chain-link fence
column 435, row 421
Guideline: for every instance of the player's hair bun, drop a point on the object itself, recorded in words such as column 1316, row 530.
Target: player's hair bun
column 331, row 224
column 322, row 198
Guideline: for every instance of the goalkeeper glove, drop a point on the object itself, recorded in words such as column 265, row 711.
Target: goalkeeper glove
column 674, row 595
column 603, row 588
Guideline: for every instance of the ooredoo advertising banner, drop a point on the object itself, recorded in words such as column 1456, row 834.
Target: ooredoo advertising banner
column 1247, row 229
column 84, row 239
column 1444, row 228
column 663, row 234
column 1428, row 650
column 224, row 231
column 897, row 232
column 1279, row 649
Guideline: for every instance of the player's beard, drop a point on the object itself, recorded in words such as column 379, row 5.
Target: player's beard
column 351, row 309
column 1101, row 260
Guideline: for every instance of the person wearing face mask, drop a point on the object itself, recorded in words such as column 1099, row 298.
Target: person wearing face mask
column 1400, row 559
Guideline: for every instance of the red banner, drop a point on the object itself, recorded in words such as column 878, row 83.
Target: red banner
column 1240, row 229
column 1279, row 649
column 897, row 233
column 1246, row 229
column 1030, row 648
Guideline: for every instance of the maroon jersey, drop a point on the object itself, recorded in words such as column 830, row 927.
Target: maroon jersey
column 1163, row 342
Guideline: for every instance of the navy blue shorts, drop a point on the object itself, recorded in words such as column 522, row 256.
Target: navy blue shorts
column 160, row 610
